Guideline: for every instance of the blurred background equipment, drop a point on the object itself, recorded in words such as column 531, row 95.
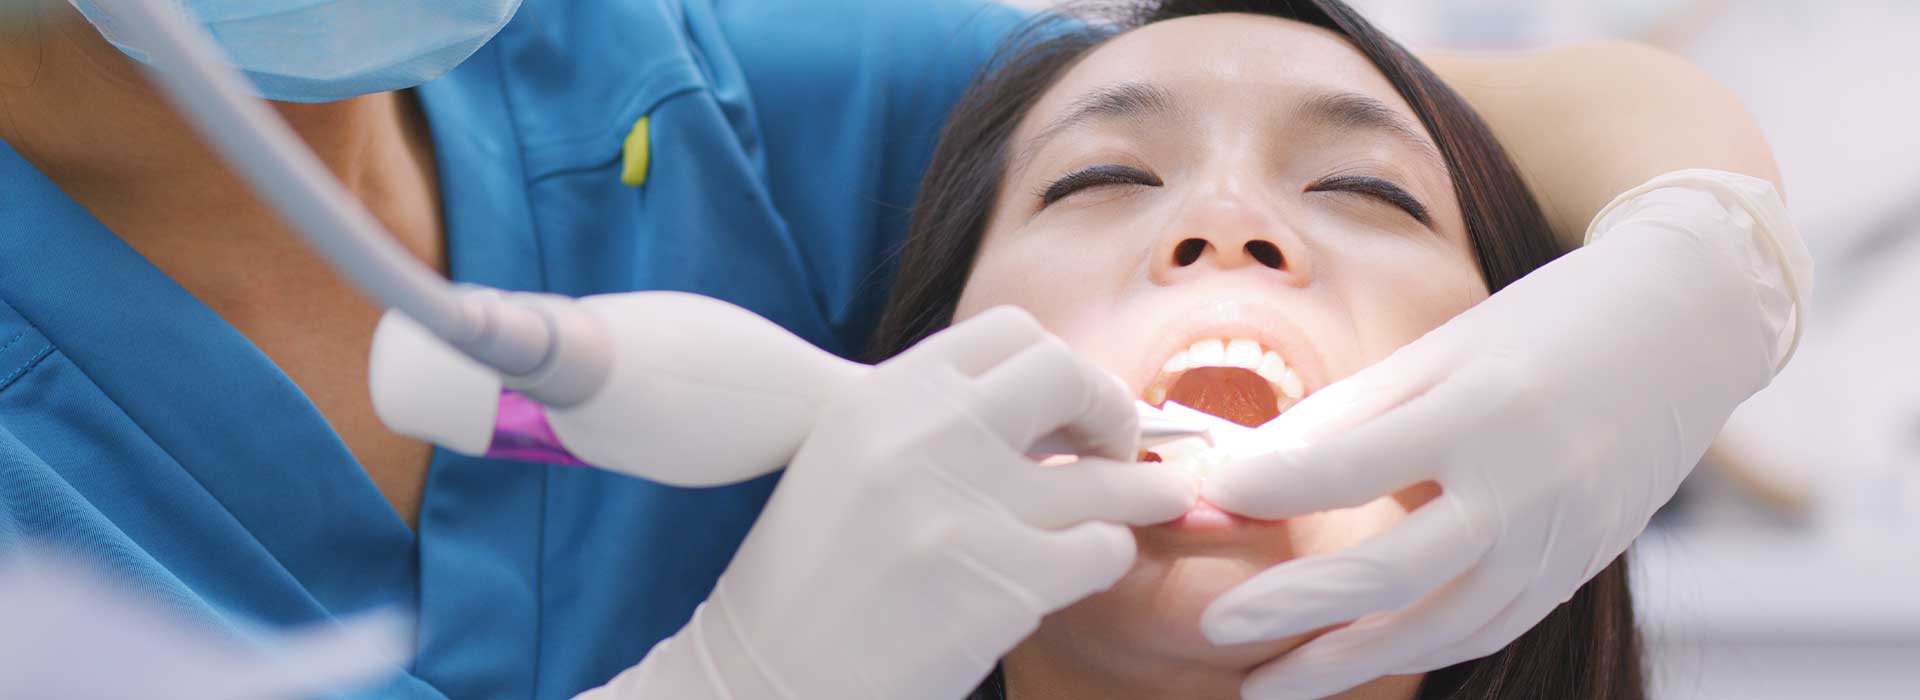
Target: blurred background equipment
column 70, row 629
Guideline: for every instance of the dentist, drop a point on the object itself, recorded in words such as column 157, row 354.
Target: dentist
column 183, row 386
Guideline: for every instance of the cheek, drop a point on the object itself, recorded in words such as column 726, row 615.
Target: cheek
column 1064, row 285
column 1393, row 304
column 1156, row 608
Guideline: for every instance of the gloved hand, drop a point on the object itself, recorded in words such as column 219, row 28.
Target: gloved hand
column 910, row 544
column 1557, row 416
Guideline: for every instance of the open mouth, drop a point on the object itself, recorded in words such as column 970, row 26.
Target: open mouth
column 1236, row 379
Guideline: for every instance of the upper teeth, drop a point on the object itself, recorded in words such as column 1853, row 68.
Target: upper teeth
column 1237, row 352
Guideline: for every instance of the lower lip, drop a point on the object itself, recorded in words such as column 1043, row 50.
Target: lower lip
column 1204, row 517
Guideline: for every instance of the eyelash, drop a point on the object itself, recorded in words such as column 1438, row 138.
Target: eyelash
column 1377, row 188
column 1098, row 175
column 1093, row 177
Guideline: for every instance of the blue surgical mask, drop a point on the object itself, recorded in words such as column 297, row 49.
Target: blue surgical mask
column 327, row 50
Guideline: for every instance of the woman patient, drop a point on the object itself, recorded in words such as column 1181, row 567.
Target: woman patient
column 1231, row 205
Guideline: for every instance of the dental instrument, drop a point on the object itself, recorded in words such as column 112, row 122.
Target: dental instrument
column 731, row 371
column 723, row 397
column 1157, row 427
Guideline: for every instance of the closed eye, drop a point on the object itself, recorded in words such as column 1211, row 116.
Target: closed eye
column 1378, row 188
column 1095, row 176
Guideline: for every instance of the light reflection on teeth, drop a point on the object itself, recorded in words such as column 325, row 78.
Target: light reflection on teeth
column 1203, row 463
column 1227, row 441
column 1242, row 353
column 1271, row 368
column 1207, row 353
column 1175, row 364
column 1290, row 384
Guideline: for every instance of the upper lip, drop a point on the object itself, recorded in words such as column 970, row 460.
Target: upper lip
column 1227, row 319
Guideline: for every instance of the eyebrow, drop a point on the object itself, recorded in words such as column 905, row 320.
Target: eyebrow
column 1349, row 111
column 1119, row 101
column 1352, row 111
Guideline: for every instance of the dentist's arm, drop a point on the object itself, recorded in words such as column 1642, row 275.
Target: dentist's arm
column 1557, row 415
column 911, row 544
column 1588, row 121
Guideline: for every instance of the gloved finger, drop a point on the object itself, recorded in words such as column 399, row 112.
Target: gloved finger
column 978, row 343
column 1532, row 605
column 1050, row 569
column 1518, row 617
column 1098, row 489
column 1405, row 446
column 1368, row 393
column 1045, row 388
column 1390, row 570
column 1384, row 643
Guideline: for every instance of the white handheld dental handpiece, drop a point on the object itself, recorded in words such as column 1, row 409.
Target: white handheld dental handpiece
column 698, row 392
column 1156, row 427
column 727, row 396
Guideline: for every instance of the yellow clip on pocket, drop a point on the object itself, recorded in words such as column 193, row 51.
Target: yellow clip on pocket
column 634, row 172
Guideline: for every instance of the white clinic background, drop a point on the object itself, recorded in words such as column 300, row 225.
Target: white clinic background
column 1790, row 565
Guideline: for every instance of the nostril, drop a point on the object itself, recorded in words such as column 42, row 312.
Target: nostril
column 1188, row 251
column 1267, row 253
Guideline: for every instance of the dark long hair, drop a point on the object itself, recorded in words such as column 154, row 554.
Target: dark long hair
column 1588, row 647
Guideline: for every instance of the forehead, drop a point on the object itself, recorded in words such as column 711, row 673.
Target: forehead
column 1223, row 60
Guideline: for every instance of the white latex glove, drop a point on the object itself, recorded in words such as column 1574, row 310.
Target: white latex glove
column 1557, row 416
column 910, row 544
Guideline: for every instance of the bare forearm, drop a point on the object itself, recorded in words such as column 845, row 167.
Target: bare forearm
column 1589, row 121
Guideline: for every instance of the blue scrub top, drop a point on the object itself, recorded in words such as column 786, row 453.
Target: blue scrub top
column 785, row 142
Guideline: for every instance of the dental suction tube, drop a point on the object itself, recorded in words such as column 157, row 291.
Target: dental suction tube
column 555, row 350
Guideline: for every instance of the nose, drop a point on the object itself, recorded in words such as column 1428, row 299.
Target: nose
column 1230, row 238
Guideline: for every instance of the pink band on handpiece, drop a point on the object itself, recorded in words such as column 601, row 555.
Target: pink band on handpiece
column 520, row 431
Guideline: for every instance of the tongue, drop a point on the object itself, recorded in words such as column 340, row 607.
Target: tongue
column 1232, row 393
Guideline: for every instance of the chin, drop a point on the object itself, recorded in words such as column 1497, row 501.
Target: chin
column 1155, row 609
